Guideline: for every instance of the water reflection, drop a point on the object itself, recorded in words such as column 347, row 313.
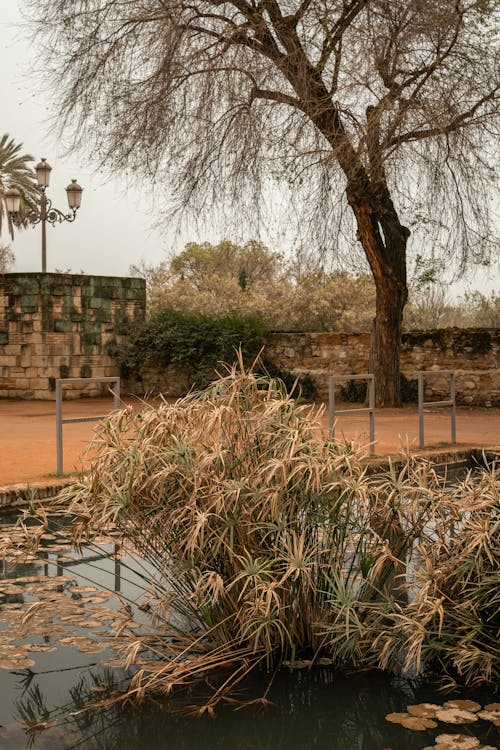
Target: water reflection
column 311, row 709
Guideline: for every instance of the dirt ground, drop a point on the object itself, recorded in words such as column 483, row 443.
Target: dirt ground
column 28, row 433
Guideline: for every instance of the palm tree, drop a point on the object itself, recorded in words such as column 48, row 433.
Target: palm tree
column 16, row 172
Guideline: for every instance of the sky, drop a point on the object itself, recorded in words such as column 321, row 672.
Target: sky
column 114, row 228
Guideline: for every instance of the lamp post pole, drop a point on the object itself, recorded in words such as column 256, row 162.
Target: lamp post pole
column 43, row 220
column 45, row 212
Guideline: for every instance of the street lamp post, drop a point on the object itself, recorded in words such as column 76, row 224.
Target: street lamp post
column 46, row 212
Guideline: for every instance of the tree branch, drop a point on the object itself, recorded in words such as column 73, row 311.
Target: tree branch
column 458, row 122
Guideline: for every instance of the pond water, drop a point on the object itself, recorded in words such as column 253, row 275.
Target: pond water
column 56, row 654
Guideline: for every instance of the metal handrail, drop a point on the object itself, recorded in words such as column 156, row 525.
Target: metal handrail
column 60, row 382
column 447, row 402
column 363, row 410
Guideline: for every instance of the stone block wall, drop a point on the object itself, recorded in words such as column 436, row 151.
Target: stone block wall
column 474, row 354
column 62, row 325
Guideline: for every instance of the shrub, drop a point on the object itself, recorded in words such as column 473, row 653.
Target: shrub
column 195, row 342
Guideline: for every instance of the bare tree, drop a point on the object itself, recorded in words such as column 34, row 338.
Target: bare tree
column 377, row 112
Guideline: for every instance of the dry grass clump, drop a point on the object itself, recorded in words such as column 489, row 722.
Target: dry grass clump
column 266, row 544
column 453, row 620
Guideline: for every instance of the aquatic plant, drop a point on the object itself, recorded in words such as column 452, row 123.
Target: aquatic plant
column 452, row 622
column 267, row 545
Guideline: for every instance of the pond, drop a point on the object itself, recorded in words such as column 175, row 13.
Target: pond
column 61, row 615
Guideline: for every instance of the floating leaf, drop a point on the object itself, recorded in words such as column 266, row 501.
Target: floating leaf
column 458, row 741
column 42, row 647
column 493, row 707
column 20, row 663
column 395, row 718
column 426, row 710
column 463, row 704
column 456, row 716
column 418, row 723
column 493, row 716
column 91, row 648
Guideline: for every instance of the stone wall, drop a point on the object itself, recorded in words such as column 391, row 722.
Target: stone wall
column 62, row 325
column 473, row 354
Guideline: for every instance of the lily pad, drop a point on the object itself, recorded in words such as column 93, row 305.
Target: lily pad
column 456, row 716
column 458, row 741
column 493, row 716
column 417, row 723
column 41, row 647
column 463, row 704
column 21, row 663
column 426, row 710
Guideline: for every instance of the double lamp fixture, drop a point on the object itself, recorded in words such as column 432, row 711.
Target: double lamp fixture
column 45, row 212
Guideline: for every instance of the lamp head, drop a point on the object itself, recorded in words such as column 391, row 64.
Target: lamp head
column 43, row 170
column 74, row 193
column 13, row 200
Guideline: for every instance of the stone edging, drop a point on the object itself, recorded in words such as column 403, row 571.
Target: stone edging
column 19, row 494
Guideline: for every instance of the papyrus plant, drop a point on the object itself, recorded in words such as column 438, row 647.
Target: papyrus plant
column 266, row 544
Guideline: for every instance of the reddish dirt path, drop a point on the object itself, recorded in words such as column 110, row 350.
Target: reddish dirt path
column 28, row 435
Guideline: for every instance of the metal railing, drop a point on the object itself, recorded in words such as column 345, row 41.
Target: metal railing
column 363, row 410
column 449, row 402
column 60, row 382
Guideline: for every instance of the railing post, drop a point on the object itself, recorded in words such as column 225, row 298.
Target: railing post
column 59, row 419
column 331, row 407
column 59, row 443
column 371, row 403
column 421, row 408
column 116, row 395
column 451, row 402
column 453, row 409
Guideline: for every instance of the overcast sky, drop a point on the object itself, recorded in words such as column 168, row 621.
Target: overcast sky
column 114, row 226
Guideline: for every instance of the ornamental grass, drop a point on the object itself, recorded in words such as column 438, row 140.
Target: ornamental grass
column 266, row 545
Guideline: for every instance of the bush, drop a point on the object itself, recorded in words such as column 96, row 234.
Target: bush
column 193, row 341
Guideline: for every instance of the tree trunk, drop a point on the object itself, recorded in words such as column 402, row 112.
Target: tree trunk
column 385, row 345
column 384, row 241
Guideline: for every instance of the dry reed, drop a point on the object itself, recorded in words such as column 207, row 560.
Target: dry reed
column 270, row 545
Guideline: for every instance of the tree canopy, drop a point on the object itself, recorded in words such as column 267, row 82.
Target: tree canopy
column 377, row 116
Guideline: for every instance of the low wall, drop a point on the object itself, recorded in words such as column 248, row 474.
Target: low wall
column 63, row 325
column 472, row 353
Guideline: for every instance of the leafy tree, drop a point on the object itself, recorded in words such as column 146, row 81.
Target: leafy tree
column 248, row 265
column 15, row 172
column 380, row 112
column 296, row 295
